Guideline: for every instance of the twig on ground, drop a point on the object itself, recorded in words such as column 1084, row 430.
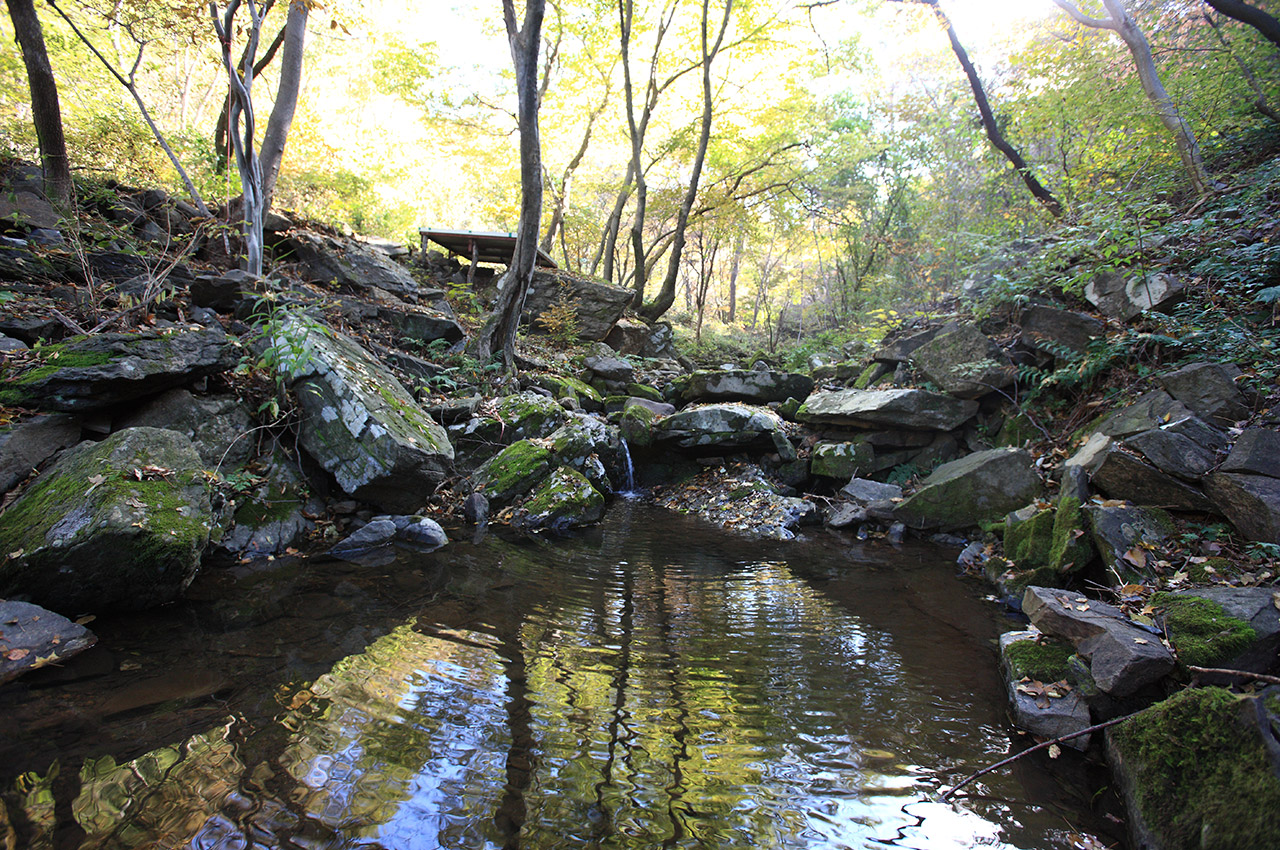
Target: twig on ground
column 1262, row 677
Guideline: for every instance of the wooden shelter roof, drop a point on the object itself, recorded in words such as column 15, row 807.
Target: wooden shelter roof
column 480, row 246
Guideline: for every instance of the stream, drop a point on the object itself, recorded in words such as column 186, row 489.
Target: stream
column 652, row 682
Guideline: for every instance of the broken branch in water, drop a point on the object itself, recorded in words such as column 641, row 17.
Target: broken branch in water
column 1096, row 727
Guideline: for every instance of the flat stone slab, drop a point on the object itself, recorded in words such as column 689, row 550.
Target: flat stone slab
column 755, row 387
column 1256, row 452
column 983, row 486
column 1123, row 476
column 32, row 637
column 1210, row 390
column 1251, row 502
column 1123, row 658
column 918, row 410
column 1256, row 606
column 1045, row 328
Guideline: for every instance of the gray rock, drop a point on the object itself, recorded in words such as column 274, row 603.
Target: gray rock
column 1123, row 658
column 1199, row 432
column 513, row 472
column 32, row 637
column 422, row 324
column 964, row 362
column 720, row 426
column 658, row 408
column 918, row 410
column 1173, row 453
column 599, row 304
column 640, row 340
column 759, row 386
column 1209, row 390
column 1150, row 410
column 895, row 533
column 269, row 518
column 26, row 209
column 1126, row 296
column 359, row 423
column 1048, row 328
column 1251, row 502
column 9, row 345
column 1122, row 476
column 115, row 525
column 373, row 534
column 845, row 514
column 1117, row 529
column 841, row 460
column 1064, row 714
column 1256, row 452
column 514, row 417
column 1089, row 456
column 965, row 492
column 610, row 368
column 421, row 532
column 331, row 260
column 475, row 509
column 897, row 347
column 25, row 446
column 106, row 369
column 219, row 426
column 863, row 491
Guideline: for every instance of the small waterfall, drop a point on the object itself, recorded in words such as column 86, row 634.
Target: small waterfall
column 628, row 483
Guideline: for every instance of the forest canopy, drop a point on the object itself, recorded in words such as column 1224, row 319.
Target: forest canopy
column 859, row 154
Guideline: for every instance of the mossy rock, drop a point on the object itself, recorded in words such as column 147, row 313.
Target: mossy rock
column 116, row 525
column 514, row 471
column 636, row 425
column 873, row 370
column 1201, row 631
column 1043, row 660
column 842, row 460
column 565, row 500
column 1052, row 543
column 564, row 386
column 644, row 391
column 1197, row 775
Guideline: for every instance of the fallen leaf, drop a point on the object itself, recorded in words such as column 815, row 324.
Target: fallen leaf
column 17, row 654
column 1136, row 556
column 1275, row 599
column 1054, row 751
column 1082, row 607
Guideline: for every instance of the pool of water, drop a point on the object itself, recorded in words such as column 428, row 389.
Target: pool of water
column 654, row 682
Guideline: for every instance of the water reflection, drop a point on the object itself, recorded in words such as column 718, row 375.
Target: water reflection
column 633, row 689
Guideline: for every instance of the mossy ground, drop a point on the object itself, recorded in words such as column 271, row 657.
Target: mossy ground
column 1042, row 660
column 1203, row 634
column 1200, row 778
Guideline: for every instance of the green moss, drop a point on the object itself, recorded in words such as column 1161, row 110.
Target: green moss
column 513, row 471
column 1043, row 660
column 1203, row 634
column 1070, row 548
column 53, row 359
column 1027, row 543
column 1050, row 544
column 841, row 460
column 565, row 499
column 644, row 391
column 1199, row 778
column 864, row 379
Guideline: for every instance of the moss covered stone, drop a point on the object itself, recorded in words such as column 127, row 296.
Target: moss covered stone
column 1203, row 634
column 565, row 386
column 119, row 525
column 842, row 460
column 513, row 471
column 1043, row 660
column 636, row 425
column 1197, row 774
column 643, row 391
column 565, row 500
column 1050, row 545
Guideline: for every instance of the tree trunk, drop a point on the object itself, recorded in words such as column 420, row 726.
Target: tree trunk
column 666, row 295
column 998, row 141
column 222, row 127
column 1250, row 15
column 734, row 268
column 1123, row 24
column 45, row 111
column 1260, row 96
column 295, row 35
column 499, row 332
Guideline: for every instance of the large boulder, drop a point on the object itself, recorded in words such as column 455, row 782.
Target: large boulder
column 758, row 387
column 358, row 421
column 337, row 261
column 716, row 427
column 27, row 445
column 32, row 637
column 917, row 410
column 1254, row 607
column 1256, row 452
column 1121, row 533
column 513, row 472
column 964, row 362
column 898, row 346
column 114, row 525
column 965, row 492
column 1199, row 771
column 841, row 459
column 1122, row 657
column 422, row 324
column 598, row 304
column 1051, row 330
column 636, row 338
column 220, row 427
column 1124, row 297
column 1210, row 391
column 565, row 500
column 99, row 371
column 1174, row 453
column 518, row 416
